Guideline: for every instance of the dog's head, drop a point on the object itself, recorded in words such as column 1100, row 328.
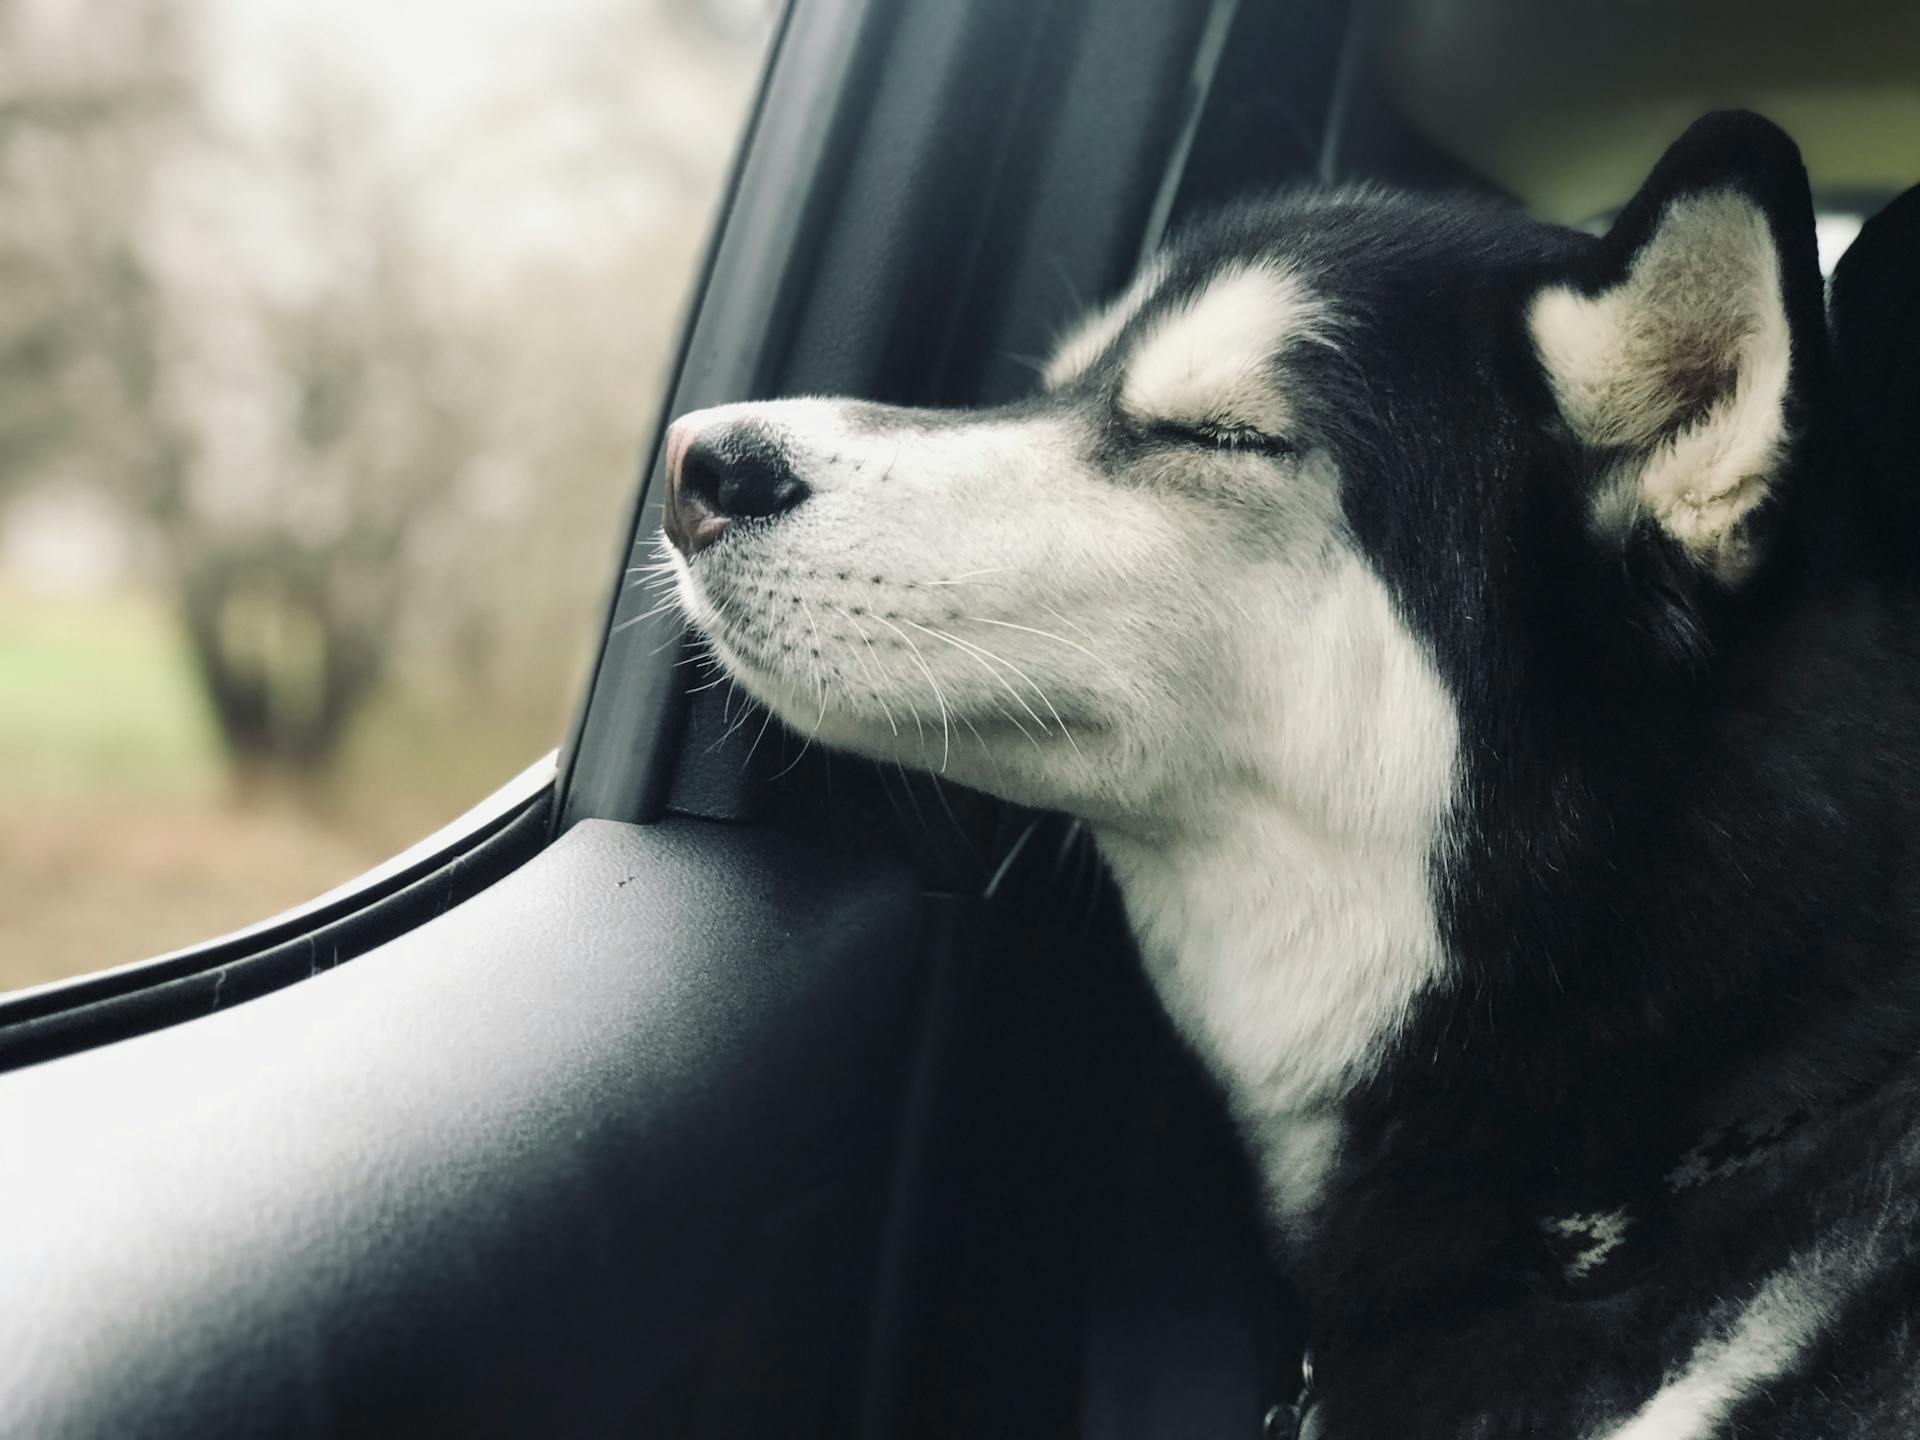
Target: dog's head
column 1330, row 469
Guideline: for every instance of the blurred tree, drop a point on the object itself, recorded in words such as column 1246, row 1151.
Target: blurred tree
column 89, row 106
column 296, row 557
column 658, row 88
column 370, row 411
column 142, row 328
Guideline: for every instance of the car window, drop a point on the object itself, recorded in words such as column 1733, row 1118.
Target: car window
column 328, row 338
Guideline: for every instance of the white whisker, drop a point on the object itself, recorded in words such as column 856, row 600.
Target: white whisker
column 814, row 669
column 1066, row 622
column 758, row 737
column 872, row 676
column 1031, row 682
column 1028, row 629
column 652, row 611
column 939, row 698
column 967, row 577
column 746, row 714
column 979, row 657
column 987, row 750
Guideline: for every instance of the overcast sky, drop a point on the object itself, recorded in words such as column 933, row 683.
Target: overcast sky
column 480, row 101
column 429, row 60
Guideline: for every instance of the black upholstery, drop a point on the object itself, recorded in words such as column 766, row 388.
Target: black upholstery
column 1875, row 310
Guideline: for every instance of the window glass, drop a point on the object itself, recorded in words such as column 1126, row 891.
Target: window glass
column 328, row 335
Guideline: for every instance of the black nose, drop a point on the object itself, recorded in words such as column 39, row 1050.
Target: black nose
column 724, row 471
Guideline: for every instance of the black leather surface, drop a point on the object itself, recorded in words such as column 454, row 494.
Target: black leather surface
column 491, row 1178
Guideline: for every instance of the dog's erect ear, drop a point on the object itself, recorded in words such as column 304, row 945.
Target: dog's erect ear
column 1685, row 354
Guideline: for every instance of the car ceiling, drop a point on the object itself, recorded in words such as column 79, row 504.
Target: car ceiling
column 1568, row 105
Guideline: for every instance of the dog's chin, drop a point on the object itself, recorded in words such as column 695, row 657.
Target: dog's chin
column 970, row 738
column 981, row 750
column 801, row 707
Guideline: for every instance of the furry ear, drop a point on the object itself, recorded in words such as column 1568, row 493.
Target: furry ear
column 1683, row 357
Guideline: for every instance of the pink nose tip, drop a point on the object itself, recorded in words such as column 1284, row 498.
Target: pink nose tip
column 721, row 470
column 679, row 437
column 689, row 517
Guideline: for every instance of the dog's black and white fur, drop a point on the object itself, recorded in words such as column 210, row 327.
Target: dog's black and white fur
column 1489, row 670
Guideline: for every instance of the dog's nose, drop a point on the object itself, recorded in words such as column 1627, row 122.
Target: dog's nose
column 720, row 472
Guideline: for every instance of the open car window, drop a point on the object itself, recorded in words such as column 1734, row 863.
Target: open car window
column 330, row 339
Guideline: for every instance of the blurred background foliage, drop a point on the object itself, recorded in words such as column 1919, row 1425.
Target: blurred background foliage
column 328, row 337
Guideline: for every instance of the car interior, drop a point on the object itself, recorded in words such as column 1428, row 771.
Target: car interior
column 702, row 1083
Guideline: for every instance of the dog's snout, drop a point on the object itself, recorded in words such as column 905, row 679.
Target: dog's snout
column 721, row 472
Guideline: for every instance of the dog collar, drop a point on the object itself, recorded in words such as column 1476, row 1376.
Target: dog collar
column 1598, row 1250
column 1297, row 1419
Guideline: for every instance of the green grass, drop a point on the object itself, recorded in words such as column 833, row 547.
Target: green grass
column 120, row 835
column 98, row 696
column 99, row 701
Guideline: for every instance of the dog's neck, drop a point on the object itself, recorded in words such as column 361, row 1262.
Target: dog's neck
column 1282, row 886
column 1285, row 957
column 1437, row 1028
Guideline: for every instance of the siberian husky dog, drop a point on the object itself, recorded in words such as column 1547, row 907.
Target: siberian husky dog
column 1495, row 688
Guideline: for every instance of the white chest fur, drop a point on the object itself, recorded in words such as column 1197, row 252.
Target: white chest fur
column 1286, row 963
column 1288, row 921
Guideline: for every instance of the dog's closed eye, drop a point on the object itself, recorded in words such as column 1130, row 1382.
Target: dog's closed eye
column 1220, row 435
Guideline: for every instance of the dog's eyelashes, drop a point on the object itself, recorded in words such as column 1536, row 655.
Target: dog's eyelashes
column 1220, row 435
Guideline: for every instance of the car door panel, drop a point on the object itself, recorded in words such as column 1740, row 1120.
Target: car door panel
column 506, row 1172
